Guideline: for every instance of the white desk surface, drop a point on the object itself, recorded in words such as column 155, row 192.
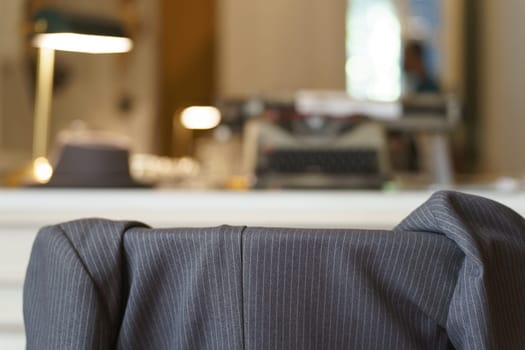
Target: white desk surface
column 161, row 208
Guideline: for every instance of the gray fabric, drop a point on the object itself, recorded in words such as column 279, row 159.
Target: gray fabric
column 451, row 275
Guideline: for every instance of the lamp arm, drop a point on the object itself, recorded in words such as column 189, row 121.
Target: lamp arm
column 44, row 94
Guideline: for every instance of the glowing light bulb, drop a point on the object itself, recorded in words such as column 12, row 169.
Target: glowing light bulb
column 200, row 117
column 42, row 170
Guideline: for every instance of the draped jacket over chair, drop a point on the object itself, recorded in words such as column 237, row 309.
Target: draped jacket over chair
column 450, row 276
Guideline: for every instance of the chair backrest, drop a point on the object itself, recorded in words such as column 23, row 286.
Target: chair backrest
column 449, row 276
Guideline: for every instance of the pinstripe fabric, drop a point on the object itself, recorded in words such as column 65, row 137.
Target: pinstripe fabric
column 487, row 310
column 327, row 289
column 449, row 276
column 185, row 289
column 74, row 286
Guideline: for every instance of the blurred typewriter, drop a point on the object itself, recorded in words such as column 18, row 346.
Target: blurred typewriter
column 322, row 139
column 285, row 148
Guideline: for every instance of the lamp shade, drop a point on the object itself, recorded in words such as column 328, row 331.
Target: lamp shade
column 65, row 31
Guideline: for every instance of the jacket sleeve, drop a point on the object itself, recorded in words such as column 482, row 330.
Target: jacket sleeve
column 73, row 286
column 487, row 310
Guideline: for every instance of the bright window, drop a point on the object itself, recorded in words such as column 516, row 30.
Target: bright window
column 373, row 49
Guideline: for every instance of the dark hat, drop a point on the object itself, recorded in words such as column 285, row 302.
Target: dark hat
column 92, row 165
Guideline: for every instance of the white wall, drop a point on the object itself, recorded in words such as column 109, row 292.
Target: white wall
column 451, row 42
column 279, row 46
column 15, row 98
column 2, row 58
column 503, row 97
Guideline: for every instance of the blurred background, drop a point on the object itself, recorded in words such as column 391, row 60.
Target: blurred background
column 395, row 97
column 298, row 94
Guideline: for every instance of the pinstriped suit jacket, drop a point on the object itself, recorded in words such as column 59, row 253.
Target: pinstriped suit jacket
column 451, row 275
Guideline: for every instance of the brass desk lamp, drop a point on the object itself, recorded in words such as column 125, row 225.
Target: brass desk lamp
column 54, row 29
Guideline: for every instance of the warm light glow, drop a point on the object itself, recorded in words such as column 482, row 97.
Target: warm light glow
column 42, row 170
column 83, row 43
column 201, row 118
